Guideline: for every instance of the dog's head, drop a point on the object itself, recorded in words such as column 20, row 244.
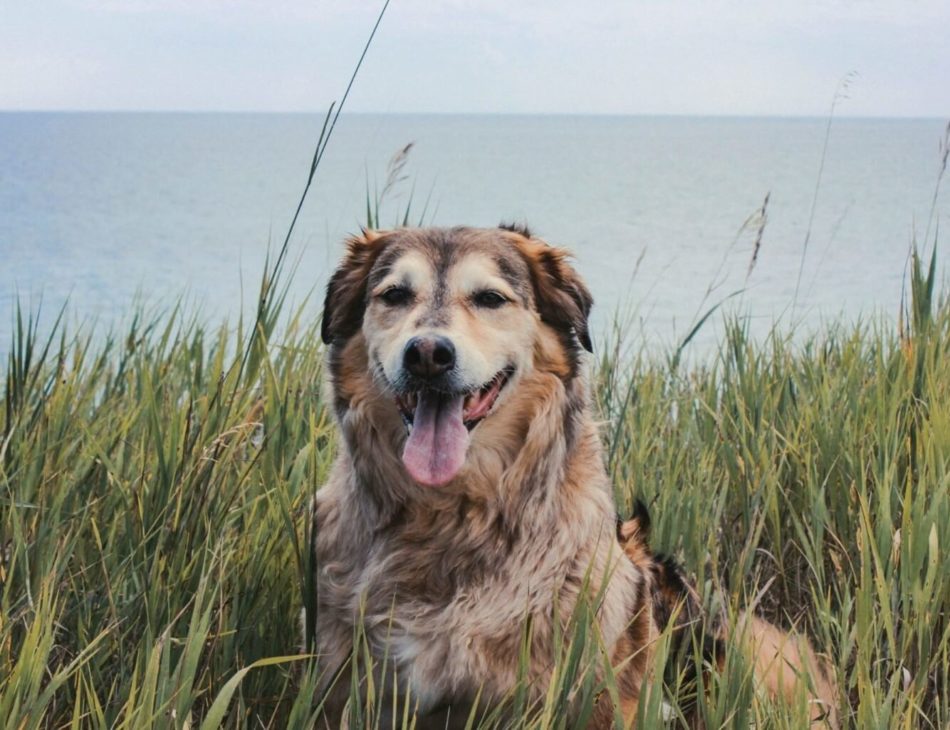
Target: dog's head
column 452, row 320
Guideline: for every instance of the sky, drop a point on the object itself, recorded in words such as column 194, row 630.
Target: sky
column 731, row 57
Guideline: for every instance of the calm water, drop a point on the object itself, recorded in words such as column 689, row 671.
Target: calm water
column 97, row 208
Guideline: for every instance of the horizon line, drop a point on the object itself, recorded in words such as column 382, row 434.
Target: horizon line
column 302, row 112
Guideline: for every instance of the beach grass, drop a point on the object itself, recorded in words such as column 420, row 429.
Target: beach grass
column 154, row 485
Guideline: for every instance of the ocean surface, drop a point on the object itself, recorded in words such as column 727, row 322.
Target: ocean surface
column 104, row 210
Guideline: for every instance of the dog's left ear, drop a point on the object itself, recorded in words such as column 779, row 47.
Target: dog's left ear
column 345, row 301
column 562, row 298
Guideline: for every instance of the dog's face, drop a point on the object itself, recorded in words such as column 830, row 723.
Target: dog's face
column 452, row 320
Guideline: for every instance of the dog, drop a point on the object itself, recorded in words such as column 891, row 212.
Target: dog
column 469, row 498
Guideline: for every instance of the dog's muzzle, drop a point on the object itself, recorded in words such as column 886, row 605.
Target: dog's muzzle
column 438, row 414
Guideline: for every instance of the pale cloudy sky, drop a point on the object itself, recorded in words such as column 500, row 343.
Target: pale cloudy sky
column 652, row 56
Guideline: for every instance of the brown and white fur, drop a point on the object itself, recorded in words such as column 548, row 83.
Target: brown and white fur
column 443, row 543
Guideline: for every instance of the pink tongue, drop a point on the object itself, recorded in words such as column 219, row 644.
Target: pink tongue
column 435, row 450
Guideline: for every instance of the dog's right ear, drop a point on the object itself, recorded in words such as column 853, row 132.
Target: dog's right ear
column 562, row 298
column 345, row 301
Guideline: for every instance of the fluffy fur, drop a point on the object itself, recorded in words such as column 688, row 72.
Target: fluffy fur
column 444, row 579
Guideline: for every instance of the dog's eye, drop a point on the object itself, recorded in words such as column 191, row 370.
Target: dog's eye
column 489, row 299
column 396, row 295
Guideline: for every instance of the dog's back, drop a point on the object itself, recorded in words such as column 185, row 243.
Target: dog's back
column 784, row 665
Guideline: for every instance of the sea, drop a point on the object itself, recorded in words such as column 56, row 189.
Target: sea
column 793, row 224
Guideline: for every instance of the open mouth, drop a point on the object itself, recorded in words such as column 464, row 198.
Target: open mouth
column 439, row 425
column 475, row 405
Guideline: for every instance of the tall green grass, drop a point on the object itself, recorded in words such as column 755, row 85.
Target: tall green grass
column 153, row 516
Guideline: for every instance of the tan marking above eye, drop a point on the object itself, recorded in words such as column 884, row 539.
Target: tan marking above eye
column 413, row 271
column 478, row 273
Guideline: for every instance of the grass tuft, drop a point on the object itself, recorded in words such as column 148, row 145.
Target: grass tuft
column 153, row 518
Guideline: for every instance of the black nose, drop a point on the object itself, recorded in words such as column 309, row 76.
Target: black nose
column 429, row 357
